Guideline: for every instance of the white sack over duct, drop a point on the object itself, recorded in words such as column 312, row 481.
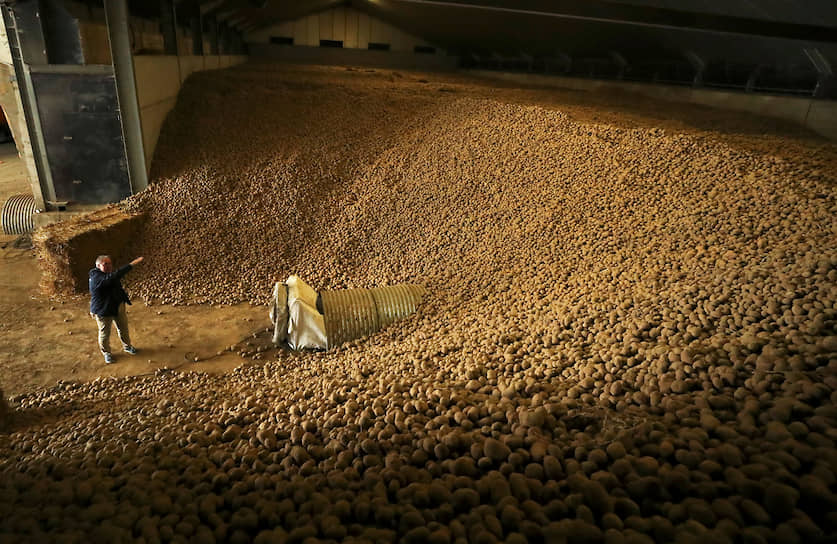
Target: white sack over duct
column 306, row 327
column 279, row 312
column 347, row 313
column 299, row 290
column 295, row 317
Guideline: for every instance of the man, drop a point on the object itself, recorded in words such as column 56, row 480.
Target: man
column 107, row 303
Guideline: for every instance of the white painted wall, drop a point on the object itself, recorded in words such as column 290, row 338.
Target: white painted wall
column 12, row 107
column 354, row 28
column 159, row 79
column 822, row 118
column 5, row 52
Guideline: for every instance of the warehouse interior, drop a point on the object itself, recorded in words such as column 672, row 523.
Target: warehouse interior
column 574, row 266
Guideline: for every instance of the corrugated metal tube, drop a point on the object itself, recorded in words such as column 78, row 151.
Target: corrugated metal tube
column 17, row 214
column 354, row 313
column 396, row 302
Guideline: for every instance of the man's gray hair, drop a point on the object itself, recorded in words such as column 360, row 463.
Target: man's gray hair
column 101, row 258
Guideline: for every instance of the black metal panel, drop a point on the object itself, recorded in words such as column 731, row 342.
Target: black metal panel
column 83, row 135
column 30, row 33
column 41, row 187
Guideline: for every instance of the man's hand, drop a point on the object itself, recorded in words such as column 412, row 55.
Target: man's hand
column 136, row 261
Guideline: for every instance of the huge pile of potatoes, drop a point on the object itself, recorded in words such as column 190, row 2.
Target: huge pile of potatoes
column 629, row 333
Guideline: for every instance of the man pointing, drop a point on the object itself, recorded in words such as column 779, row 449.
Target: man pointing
column 107, row 303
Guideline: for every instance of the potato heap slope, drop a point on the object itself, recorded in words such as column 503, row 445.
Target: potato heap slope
column 629, row 334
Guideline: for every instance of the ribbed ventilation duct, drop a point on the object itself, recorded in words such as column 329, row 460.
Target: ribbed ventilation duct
column 355, row 313
column 17, row 214
column 307, row 320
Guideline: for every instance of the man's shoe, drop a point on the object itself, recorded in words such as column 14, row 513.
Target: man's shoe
column 108, row 359
column 131, row 350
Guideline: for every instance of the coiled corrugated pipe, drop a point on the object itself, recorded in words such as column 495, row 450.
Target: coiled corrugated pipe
column 355, row 313
column 17, row 214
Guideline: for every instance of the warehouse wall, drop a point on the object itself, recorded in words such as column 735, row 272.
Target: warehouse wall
column 5, row 53
column 12, row 107
column 352, row 57
column 818, row 115
column 355, row 29
column 145, row 39
column 159, row 78
column 822, row 118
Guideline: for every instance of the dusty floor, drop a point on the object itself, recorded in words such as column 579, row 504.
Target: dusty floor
column 44, row 341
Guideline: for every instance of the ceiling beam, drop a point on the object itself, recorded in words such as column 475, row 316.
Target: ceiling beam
column 698, row 65
column 210, row 7
column 603, row 11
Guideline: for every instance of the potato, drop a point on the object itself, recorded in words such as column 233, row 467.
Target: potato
column 628, row 333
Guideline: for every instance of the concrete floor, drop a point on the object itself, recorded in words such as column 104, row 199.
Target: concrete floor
column 44, row 340
column 12, row 173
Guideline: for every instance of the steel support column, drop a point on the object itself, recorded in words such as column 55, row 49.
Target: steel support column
column 622, row 65
column 116, row 16
column 238, row 43
column 211, row 25
column 826, row 80
column 699, row 66
column 223, row 39
column 561, row 60
column 753, row 78
column 31, row 144
column 197, row 32
column 168, row 26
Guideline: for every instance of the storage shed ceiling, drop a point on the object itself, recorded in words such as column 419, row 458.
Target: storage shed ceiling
column 777, row 35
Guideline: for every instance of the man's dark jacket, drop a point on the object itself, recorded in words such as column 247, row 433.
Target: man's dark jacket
column 106, row 292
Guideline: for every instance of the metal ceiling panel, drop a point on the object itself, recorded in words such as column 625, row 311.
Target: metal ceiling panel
column 805, row 12
column 769, row 35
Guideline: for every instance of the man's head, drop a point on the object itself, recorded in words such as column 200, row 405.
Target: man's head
column 104, row 263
